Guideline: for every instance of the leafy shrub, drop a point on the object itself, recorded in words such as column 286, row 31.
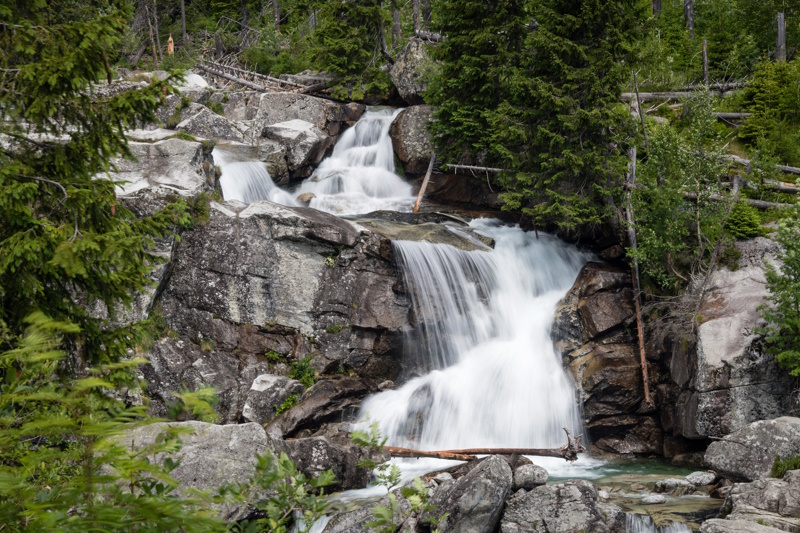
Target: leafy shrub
column 744, row 222
column 781, row 466
column 301, row 371
column 287, row 404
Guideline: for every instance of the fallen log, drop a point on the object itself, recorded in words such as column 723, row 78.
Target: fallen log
column 672, row 95
column 424, row 183
column 229, row 77
column 279, row 81
column 435, row 37
column 479, row 169
column 746, row 162
column 732, row 116
column 568, row 452
column 781, row 186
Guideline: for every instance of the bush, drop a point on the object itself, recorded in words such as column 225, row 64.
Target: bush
column 301, row 371
column 781, row 466
column 744, row 222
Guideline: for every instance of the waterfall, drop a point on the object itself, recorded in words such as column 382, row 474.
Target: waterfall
column 248, row 181
column 637, row 523
column 484, row 321
column 359, row 177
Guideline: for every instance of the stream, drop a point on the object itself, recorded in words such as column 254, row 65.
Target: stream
column 483, row 369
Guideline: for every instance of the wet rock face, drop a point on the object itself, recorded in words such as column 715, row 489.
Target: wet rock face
column 266, row 394
column 288, row 282
column 592, row 329
column 722, row 379
column 411, row 139
column 748, row 454
column 769, row 502
column 409, row 70
column 569, row 506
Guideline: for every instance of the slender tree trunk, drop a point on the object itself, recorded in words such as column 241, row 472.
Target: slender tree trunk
column 780, row 50
column 276, row 13
column 415, row 8
column 705, row 62
column 656, row 7
column 183, row 21
column 158, row 37
column 397, row 32
column 244, row 12
column 150, row 27
column 425, row 8
column 688, row 15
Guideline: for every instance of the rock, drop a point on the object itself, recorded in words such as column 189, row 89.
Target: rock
column 699, row 479
column 725, row 380
column 271, row 153
column 604, row 311
column 561, row 507
column 173, row 166
column 748, row 454
column 528, row 476
column 654, row 499
column 674, row 487
column 443, row 477
column 211, row 456
column 192, row 81
column 306, row 197
column 409, row 71
column 305, row 144
column 266, row 394
column 411, row 139
column 356, row 521
column 457, row 236
column 771, row 502
column 463, row 190
column 717, row 525
column 209, row 125
column 474, row 503
column 328, row 117
column 322, row 402
column 331, row 449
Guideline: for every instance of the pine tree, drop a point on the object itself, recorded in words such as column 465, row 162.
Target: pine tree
column 537, row 93
column 65, row 238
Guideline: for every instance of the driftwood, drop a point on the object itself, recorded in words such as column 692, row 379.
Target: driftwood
column 429, row 36
column 424, row 183
column 781, row 186
column 732, row 116
column 746, row 162
column 254, row 75
column 568, row 452
column 229, row 77
column 717, row 86
column 671, row 95
column 480, row 169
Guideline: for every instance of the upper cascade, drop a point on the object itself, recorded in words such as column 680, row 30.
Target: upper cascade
column 248, row 181
column 359, row 177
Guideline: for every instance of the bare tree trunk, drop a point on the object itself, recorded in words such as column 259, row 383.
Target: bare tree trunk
column 780, row 50
column 183, row 21
column 705, row 62
column 424, row 183
column 397, row 32
column 150, row 27
column 276, row 13
column 244, row 12
column 656, row 7
column 415, row 8
column 425, row 8
column 688, row 15
column 158, row 37
column 384, row 48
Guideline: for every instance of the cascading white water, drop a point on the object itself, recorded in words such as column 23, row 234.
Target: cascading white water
column 359, row 177
column 248, row 181
column 485, row 322
column 637, row 523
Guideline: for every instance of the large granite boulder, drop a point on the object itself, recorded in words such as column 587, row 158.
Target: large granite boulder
column 209, row 125
column 591, row 332
column 273, row 154
column 289, row 282
column 718, row 525
column 770, row 502
column 411, row 139
column 570, row 506
column 305, row 144
column 723, row 379
column 748, row 454
column 474, row 503
column 266, row 394
column 410, row 70
column 464, row 190
column 211, row 456
column 327, row 116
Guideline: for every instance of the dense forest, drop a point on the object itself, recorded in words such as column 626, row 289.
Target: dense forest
column 569, row 108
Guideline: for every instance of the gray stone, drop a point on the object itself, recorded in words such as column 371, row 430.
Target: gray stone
column 305, row 144
column 327, row 116
column 410, row 71
column 654, row 499
column 570, row 506
column 674, row 487
column 528, row 476
column 271, row 153
column 716, row 525
column 356, row 521
column 701, row 478
column 772, row 502
column 474, row 503
column 209, row 125
column 173, row 166
column 457, row 236
column 266, row 394
column 748, row 453
column 211, row 456
column 411, row 139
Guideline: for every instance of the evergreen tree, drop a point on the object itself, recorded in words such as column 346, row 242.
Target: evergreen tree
column 536, row 92
column 65, row 238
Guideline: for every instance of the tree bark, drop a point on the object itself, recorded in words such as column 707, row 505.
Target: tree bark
column 780, row 50
column 150, row 26
column 424, row 183
column 415, row 10
column 183, row 21
column 397, row 32
column 243, row 5
column 688, row 16
column 158, row 37
column 705, row 62
column 276, row 13
column 656, row 7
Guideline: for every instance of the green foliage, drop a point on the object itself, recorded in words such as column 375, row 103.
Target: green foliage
column 336, row 328
column 65, row 239
column 743, row 222
column 287, row 404
column 676, row 234
column 216, row 107
column 194, row 405
column 783, row 315
column 275, row 357
column 61, row 468
column 302, row 371
column 781, row 466
column 534, row 88
column 773, row 97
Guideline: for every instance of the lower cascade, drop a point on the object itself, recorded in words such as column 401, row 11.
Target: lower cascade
column 637, row 523
column 484, row 319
